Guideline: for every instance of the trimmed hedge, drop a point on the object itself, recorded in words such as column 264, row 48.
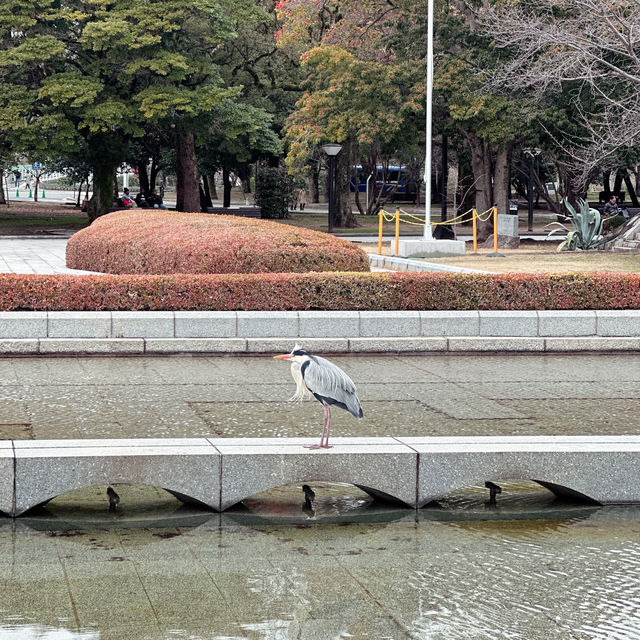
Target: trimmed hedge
column 341, row 291
column 162, row 242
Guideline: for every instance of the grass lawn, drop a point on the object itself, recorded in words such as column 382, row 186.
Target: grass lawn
column 26, row 218
column 535, row 257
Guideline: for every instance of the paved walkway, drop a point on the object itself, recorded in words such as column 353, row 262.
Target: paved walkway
column 26, row 254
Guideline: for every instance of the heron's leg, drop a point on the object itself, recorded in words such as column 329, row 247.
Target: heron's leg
column 327, row 427
column 324, row 439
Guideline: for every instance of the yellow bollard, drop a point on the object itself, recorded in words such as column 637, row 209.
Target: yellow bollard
column 495, row 229
column 381, row 218
column 475, row 231
column 397, row 231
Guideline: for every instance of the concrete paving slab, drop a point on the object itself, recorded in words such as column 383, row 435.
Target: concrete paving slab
column 88, row 345
column 205, row 324
column 23, row 324
column 567, row 323
column 142, row 324
column 329, row 324
column 79, row 324
column 450, row 323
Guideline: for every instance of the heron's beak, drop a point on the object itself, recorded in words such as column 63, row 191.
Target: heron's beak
column 284, row 356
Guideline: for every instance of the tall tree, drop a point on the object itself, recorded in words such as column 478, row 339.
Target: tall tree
column 585, row 46
column 91, row 73
column 356, row 91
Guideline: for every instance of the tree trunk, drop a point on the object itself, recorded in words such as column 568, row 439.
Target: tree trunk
column 465, row 189
column 207, row 191
column 632, row 192
column 314, row 177
column 212, row 186
column 153, row 177
column 143, row 176
column 3, row 199
column 617, row 183
column 188, row 194
column 102, row 199
column 502, row 180
column 226, row 187
column 343, row 214
column 482, row 174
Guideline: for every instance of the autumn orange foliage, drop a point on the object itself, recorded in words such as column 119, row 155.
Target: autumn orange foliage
column 319, row 291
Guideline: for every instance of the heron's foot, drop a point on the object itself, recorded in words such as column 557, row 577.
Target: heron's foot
column 318, row 446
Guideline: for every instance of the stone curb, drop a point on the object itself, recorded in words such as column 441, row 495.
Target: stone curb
column 160, row 332
column 407, row 264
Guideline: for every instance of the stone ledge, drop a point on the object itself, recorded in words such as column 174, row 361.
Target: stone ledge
column 220, row 472
column 87, row 345
column 328, row 331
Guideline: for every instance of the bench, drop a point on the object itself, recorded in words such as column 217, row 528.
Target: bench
column 247, row 212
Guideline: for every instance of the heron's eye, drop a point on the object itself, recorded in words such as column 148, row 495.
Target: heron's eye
column 299, row 352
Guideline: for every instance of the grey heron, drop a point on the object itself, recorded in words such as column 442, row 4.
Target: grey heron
column 328, row 383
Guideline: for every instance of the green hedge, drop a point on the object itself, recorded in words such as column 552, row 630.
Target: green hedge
column 342, row 291
column 150, row 241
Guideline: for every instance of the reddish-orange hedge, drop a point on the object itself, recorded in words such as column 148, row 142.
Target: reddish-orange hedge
column 291, row 291
column 161, row 242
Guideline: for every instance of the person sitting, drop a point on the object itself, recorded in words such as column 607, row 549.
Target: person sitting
column 155, row 201
column 141, row 199
column 613, row 209
column 126, row 199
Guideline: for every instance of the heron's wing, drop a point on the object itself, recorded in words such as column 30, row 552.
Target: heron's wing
column 329, row 382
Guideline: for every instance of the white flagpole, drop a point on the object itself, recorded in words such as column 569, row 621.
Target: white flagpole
column 429, row 109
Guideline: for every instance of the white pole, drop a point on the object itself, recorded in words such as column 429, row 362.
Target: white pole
column 429, row 108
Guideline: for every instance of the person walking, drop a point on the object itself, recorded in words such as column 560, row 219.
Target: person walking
column 302, row 198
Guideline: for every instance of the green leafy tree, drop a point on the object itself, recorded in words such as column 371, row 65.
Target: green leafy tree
column 357, row 92
column 92, row 73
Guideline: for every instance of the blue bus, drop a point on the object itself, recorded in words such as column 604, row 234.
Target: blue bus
column 397, row 183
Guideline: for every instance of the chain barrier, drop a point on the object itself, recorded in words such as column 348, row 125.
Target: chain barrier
column 410, row 218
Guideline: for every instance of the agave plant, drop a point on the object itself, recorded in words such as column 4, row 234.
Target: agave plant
column 586, row 228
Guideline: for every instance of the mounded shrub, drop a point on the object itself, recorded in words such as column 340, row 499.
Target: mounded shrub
column 299, row 291
column 162, row 242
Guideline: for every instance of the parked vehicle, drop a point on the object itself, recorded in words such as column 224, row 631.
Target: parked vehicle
column 388, row 180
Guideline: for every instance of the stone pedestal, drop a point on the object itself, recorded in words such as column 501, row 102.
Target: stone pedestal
column 507, row 225
column 430, row 248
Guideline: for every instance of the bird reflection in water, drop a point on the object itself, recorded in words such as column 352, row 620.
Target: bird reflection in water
column 309, row 497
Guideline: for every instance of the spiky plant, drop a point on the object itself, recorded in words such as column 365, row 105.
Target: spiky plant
column 586, row 228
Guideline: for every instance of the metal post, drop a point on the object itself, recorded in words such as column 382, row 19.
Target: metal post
column 530, row 193
column 495, row 229
column 397, row 232
column 332, row 169
column 475, row 231
column 380, row 220
column 445, row 175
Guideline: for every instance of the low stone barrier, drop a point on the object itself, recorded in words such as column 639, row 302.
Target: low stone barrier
column 220, row 472
column 246, row 332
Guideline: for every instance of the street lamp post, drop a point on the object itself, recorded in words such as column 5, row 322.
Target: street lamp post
column 332, row 150
column 532, row 153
